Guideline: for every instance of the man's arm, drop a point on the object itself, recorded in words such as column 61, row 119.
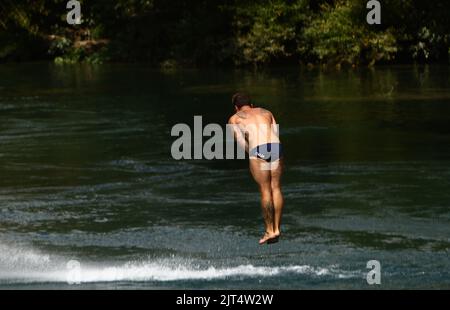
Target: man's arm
column 238, row 135
column 275, row 126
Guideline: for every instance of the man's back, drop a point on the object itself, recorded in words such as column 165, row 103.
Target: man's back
column 257, row 124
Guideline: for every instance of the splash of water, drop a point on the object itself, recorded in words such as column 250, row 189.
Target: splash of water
column 19, row 265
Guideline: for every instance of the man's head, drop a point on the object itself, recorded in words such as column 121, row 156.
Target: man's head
column 239, row 100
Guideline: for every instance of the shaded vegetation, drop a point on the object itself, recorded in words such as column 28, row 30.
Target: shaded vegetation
column 234, row 32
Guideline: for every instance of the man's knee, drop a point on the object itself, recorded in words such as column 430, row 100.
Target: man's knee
column 266, row 192
column 275, row 186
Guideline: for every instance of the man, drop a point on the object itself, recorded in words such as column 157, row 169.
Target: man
column 255, row 130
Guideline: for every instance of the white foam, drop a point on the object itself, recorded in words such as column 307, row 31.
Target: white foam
column 155, row 272
column 28, row 266
column 20, row 258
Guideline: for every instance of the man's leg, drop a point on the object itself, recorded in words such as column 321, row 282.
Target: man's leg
column 262, row 177
column 277, row 196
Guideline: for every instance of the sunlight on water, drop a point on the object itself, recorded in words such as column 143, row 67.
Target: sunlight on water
column 86, row 175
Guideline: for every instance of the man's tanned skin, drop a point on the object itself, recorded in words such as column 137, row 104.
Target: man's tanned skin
column 256, row 127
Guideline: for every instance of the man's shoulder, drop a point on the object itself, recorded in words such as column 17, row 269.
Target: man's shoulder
column 264, row 111
column 232, row 119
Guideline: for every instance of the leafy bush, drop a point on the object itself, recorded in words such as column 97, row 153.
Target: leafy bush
column 269, row 30
column 239, row 32
column 335, row 37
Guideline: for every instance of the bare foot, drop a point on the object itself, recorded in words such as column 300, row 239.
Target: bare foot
column 267, row 237
column 275, row 239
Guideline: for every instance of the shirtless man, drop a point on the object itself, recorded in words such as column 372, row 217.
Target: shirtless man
column 256, row 130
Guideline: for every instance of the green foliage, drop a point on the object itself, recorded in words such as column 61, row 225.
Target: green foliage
column 240, row 32
column 268, row 30
column 336, row 37
column 428, row 44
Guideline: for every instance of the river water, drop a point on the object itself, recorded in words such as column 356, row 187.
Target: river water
column 86, row 175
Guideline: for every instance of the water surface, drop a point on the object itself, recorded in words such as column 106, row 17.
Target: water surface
column 86, row 174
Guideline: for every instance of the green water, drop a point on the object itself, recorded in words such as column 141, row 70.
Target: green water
column 86, row 174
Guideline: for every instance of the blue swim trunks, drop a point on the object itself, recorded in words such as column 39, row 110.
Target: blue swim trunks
column 269, row 152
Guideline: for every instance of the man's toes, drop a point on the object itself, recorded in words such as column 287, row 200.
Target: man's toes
column 263, row 240
column 268, row 237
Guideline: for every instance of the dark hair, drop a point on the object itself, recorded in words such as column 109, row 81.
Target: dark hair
column 240, row 100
